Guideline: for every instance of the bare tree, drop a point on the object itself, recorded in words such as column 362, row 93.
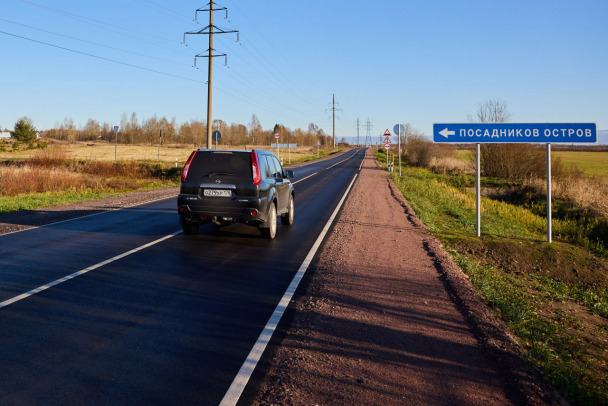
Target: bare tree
column 491, row 111
column 255, row 129
column 507, row 161
column 91, row 131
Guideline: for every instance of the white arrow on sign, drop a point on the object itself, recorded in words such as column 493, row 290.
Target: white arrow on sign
column 446, row 133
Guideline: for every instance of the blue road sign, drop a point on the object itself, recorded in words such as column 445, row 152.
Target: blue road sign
column 216, row 135
column 515, row 132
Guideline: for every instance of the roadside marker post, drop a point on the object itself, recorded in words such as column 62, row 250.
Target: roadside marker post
column 539, row 133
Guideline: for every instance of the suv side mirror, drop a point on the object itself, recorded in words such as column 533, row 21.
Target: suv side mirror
column 288, row 173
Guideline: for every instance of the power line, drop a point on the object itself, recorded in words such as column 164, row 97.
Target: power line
column 99, row 57
column 103, row 25
column 293, row 67
column 94, row 43
column 161, row 9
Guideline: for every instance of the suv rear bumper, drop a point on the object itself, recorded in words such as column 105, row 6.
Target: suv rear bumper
column 243, row 210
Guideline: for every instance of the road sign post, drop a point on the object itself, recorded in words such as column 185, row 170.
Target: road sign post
column 276, row 137
column 115, row 142
column 399, row 129
column 217, row 136
column 387, row 146
column 540, row 133
column 477, row 190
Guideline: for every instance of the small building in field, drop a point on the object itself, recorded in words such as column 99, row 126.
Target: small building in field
column 5, row 134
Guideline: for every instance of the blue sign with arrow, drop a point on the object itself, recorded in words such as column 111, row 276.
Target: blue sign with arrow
column 569, row 133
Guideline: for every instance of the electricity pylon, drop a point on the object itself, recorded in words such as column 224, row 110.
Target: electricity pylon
column 209, row 30
column 333, row 110
column 368, row 136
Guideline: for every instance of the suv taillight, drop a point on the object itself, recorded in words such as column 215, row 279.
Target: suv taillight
column 255, row 168
column 187, row 166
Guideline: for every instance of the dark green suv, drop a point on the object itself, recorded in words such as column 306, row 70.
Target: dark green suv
column 222, row 187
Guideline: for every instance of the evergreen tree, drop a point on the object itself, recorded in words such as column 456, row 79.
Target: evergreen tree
column 24, row 130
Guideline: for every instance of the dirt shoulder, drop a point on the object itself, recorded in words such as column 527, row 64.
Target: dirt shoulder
column 385, row 317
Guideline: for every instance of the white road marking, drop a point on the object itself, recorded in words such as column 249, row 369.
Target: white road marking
column 309, row 176
column 240, row 381
column 329, row 167
column 83, row 271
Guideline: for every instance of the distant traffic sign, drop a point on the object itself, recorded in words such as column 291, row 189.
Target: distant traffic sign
column 387, row 146
column 387, row 133
column 277, row 135
column 515, row 133
column 399, row 129
column 217, row 136
column 387, row 140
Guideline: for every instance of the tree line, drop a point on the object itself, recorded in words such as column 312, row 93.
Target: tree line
column 154, row 130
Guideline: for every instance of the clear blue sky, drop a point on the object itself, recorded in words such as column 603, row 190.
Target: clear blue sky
column 401, row 61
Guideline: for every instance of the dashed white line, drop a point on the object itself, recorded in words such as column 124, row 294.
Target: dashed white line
column 83, row 271
column 329, row 167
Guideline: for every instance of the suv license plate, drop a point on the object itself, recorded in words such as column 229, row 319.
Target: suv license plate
column 217, row 193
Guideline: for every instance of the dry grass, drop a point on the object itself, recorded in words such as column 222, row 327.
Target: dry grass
column 587, row 193
column 28, row 179
column 451, row 165
column 104, row 151
column 49, row 158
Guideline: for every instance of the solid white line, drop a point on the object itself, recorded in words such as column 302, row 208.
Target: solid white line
column 90, row 215
column 83, row 271
column 240, row 381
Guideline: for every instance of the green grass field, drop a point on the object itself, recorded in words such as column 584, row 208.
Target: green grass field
column 593, row 164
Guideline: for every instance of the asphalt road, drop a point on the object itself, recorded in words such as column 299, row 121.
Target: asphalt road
column 148, row 315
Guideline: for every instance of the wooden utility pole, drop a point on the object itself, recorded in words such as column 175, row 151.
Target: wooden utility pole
column 210, row 78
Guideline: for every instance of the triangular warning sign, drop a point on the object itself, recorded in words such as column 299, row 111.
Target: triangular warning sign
column 387, row 133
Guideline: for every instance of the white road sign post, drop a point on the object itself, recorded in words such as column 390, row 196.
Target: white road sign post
column 115, row 141
column 216, row 136
column 399, row 129
column 545, row 133
column 276, row 137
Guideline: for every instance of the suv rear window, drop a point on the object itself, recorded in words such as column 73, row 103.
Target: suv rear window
column 209, row 163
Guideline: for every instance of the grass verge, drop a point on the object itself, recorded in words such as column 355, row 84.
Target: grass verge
column 554, row 297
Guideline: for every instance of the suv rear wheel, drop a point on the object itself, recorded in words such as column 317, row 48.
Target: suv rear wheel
column 189, row 227
column 271, row 231
column 287, row 218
